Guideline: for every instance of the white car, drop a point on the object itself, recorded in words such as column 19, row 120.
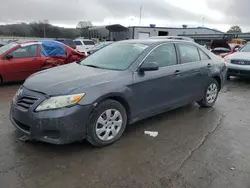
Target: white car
column 84, row 45
column 239, row 63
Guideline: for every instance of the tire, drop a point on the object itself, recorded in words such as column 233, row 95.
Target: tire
column 205, row 102
column 110, row 129
column 1, row 80
column 228, row 77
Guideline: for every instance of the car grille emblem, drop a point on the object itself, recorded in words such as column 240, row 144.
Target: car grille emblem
column 241, row 62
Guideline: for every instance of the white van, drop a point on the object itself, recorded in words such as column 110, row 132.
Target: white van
column 84, row 45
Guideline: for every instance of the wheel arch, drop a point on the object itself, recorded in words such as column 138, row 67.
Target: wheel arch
column 119, row 98
column 218, row 79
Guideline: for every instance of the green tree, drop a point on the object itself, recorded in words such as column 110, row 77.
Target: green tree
column 235, row 29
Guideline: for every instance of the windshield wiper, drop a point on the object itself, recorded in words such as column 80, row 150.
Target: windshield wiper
column 93, row 66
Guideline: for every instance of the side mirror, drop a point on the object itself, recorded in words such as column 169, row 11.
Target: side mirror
column 236, row 49
column 9, row 56
column 149, row 66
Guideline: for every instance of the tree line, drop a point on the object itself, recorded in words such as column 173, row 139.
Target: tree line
column 44, row 29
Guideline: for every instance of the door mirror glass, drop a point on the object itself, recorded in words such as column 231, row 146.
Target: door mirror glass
column 9, row 56
column 149, row 66
column 236, row 49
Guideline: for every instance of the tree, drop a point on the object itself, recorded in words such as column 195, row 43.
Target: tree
column 84, row 26
column 235, row 29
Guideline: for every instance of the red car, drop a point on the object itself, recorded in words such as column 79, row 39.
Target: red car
column 223, row 48
column 19, row 60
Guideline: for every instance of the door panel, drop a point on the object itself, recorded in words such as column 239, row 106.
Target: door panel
column 25, row 62
column 194, row 71
column 156, row 91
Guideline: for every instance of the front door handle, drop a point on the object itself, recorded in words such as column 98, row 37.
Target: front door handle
column 177, row 72
column 209, row 65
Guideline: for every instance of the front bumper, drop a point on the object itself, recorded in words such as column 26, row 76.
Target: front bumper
column 238, row 70
column 60, row 126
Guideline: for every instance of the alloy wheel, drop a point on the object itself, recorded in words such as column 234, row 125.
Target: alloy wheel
column 212, row 93
column 108, row 125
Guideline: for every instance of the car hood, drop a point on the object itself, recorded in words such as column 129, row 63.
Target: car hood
column 239, row 55
column 67, row 78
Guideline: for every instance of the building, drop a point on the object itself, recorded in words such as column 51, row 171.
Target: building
column 109, row 32
column 138, row 32
column 119, row 32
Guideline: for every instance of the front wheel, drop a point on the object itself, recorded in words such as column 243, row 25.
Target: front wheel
column 211, row 94
column 107, row 123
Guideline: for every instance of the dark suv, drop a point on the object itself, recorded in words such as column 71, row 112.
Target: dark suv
column 68, row 42
column 124, row 82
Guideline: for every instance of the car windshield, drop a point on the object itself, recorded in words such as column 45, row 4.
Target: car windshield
column 7, row 47
column 246, row 48
column 117, row 56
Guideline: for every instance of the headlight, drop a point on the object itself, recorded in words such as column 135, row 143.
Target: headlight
column 227, row 59
column 60, row 102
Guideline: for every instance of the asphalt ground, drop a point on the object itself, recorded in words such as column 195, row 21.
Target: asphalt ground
column 195, row 148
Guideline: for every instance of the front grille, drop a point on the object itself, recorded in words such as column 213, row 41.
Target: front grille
column 240, row 72
column 25, row 101
column 240, row 62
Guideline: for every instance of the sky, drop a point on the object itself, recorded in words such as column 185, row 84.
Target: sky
column 217, row 14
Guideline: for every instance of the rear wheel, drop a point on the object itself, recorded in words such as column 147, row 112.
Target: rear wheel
column 1, row 80
column 228, row 77
column 211, row 94
column 107, row 123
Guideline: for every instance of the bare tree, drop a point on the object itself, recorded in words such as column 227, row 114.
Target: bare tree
column 84, row 26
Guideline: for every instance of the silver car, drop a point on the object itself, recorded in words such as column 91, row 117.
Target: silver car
column 239, row 63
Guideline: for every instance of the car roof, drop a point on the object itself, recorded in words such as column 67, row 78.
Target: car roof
column 83, row 40
column 154, row 41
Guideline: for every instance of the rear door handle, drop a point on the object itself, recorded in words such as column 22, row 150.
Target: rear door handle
column 209, row 65
column 177, row 72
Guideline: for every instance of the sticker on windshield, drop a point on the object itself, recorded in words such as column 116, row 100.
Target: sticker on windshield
column 140, row 46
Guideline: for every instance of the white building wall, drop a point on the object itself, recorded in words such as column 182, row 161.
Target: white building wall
column 171, row 31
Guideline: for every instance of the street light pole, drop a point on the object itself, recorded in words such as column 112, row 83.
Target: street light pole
column 141, row 13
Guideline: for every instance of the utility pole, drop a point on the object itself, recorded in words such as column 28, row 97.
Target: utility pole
column 140, row 14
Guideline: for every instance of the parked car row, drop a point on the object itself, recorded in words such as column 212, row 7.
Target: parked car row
column 120, row 84
column 19, row 60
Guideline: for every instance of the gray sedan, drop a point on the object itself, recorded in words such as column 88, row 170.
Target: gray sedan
column 123, row 83
column 239, row 62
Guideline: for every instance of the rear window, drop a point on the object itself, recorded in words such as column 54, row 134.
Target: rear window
column 89, row 42
column 70, row 42
column 78, row 43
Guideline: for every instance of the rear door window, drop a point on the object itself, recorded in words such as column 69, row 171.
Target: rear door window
column 188, row 53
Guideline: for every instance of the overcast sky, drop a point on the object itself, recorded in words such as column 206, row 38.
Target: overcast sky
column 219, row 14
